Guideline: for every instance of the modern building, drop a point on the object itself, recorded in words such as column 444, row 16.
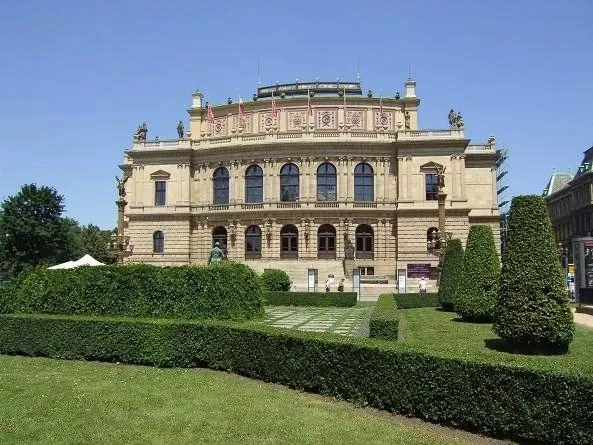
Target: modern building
column 293, row 177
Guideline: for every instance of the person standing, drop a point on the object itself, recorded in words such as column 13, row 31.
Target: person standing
column 422, row 285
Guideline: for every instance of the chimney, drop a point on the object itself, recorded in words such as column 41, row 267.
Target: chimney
column 410, row 88
column 197, row 99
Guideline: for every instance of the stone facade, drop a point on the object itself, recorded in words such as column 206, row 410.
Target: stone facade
column 333, row 170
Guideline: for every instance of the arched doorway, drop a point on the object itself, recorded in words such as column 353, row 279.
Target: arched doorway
column 326, row 242
column 219, row 234
column 364, row 242
column 289, row 242
column 253, row 242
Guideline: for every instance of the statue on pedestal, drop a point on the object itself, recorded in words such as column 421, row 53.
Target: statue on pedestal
column 180, row 130
column 349, row 250
column 141, row 131
column 441, row 178
column 121, row 189
column 216, row 254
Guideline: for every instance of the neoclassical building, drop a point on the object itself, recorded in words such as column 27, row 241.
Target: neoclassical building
column 290, row 178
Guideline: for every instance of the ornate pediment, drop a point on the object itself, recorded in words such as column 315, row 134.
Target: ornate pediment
column 160, row 174
column 432, row 166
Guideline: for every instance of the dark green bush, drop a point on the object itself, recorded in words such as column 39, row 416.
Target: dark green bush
column 275, row 280
column 384, row 322
column 532, row 311
column 321, row 299
column 478, row 285
column 414, row 300
column 494, row 399
column 451, row 273
column 225, row 291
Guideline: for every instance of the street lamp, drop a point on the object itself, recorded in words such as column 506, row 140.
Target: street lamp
column 120, row 247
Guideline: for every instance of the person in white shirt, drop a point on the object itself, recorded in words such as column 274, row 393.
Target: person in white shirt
column 422, row 285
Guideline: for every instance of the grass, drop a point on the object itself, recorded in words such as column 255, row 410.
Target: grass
column 430, row 329
column 61, row 402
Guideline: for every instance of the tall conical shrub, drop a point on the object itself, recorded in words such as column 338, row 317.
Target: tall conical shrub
column 532, row 311
column 478, row 286
column 451, row 273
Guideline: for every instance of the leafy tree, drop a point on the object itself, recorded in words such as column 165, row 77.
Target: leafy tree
column 452, row 268
column 94, row 241
column 532, row 311
column 33, row 230
column 478, row 286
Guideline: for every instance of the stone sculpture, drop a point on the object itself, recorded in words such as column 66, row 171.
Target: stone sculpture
column 180, row 130
column 216, row 254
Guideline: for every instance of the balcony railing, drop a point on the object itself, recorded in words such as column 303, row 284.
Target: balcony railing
column 263, row 206
column 288, row 136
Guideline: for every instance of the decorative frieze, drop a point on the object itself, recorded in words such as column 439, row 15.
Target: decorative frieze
column 383, row 120
column 242, row 124
column 326, row 119
column 268, row 122
column 355, row 120
column 297, row 120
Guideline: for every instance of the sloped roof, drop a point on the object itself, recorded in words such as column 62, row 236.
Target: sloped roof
column 557, row 182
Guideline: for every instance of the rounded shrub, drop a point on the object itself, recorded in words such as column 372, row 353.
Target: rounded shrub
column 532, row 311
column 451, row 273
column 275, row 280
column 477, row 288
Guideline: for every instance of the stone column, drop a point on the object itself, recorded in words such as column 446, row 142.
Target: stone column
column 408, row 177
column 494, row 195
column 462, row 176
column 401, row 174
column 341, row 172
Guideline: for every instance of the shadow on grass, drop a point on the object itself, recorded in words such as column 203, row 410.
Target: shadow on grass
column 500, row 345
column 477, row 321
column 444, row 309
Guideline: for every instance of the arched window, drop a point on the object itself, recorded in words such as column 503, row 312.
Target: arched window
column 254, row 184
column 364, row 242
column 158, row 242
column 289, row 242
column 221, row 186
column 219, row 234
column 253, row 242
column 326, row 242
column 432, row 239
column 363, row 182
column 326, row 182
column 289, row 183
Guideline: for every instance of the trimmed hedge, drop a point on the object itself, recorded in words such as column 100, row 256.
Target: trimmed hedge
column 494, row 399
column 225, row 291
column 275, row 280
column 414, row 300
column 532, row 312
column 321, row 299
column 384, row 322
column 478, row 285
column 451, row 273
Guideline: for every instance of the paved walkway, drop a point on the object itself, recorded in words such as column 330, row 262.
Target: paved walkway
column 583, row 319
column 351, row 321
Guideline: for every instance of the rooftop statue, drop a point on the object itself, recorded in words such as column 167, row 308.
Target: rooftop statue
column 180, row 130
column 452, row 118
column 140, row 135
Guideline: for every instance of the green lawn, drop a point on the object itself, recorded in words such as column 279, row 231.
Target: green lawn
column 54, row 402
column 440, row 332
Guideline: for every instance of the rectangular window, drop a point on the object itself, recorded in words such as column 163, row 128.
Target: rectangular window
column 431, row 181
column 160, row 193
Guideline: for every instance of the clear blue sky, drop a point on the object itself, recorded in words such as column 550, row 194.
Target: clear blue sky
column 78, row 77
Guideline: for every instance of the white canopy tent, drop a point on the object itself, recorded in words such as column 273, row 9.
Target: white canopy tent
column 86, row 260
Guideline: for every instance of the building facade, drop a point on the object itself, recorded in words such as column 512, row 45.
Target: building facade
column 570, row 201
column 292, row 178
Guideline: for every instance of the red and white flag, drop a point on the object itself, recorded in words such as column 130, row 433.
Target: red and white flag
column 381, row 113
column 309, row 102
column 210, row 117
column 274, row 109
column 241, row 109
